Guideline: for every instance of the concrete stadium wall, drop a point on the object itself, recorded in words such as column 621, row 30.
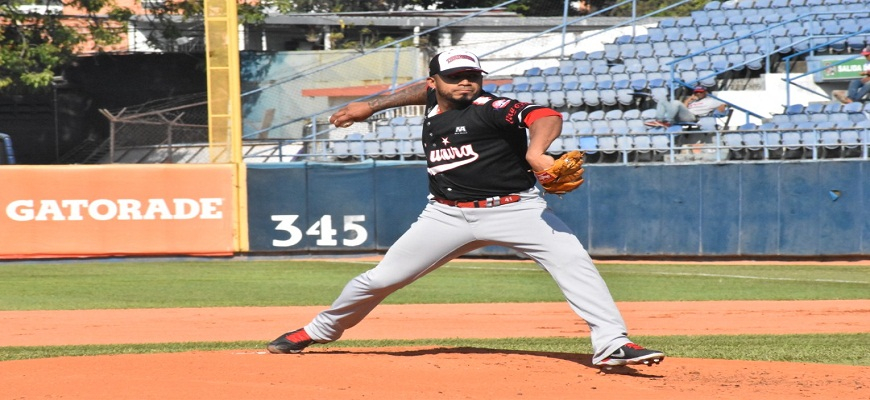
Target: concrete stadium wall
column 788, row 209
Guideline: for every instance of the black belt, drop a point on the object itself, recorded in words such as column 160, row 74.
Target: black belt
column 485, row 203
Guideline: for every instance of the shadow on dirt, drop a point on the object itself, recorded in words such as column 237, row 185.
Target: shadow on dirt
column 582, row 359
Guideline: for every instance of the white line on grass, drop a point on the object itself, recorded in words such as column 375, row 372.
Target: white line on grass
column 535, row 268
column 763, row 278
column 672, row 273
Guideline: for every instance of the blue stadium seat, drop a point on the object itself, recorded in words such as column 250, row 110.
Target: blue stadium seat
column 853, row 107
column 728, row 5
column 578, row 116
column 794, row 109
column 570, row 143
column 815, row 108
column 708, row 124
column 656, row 35
column 580, row 55
column 384, row 132
column 752, row 140
column 617, row 69
column 583, row 127
column 574, row 98
column 415, row 120
column 613, row 114
column 733, row 141
column 772, row 137
column 597, row 115
column 406, row 131
column 618, row 125
column 505, row 88
column 591, row 99
column 556, row 146
column 667, row 23
column 555, row 92
column 661, row 143
column 637, row 126
column 712, row 5
column 642, row 143
column 621, row 81
column 596, row 55
column 607, row 144
column 791, row 141
column 567, row 70
column 755, row 61
column 534, row 71
column 589, row 144
column 631, row 113
column 550, row 71
column 820, row 117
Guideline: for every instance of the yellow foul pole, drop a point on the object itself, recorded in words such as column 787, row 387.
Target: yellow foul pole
column 224, row 104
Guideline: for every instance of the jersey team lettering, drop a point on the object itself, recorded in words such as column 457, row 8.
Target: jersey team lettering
column 117, row 209
column 465, row 153
column 512, row 113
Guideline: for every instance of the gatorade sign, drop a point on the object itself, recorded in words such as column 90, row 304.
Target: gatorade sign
column 90, row 211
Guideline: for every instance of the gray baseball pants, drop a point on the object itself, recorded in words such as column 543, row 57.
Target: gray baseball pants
column 442, row 233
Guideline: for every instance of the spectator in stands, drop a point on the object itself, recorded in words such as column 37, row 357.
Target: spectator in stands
column 860, row 87
column 689, row 110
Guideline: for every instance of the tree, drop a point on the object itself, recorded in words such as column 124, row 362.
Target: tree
column 35, row 46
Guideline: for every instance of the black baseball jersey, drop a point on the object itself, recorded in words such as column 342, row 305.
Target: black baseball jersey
column 479, row 151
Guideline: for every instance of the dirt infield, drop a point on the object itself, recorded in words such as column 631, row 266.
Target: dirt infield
column 422, row 373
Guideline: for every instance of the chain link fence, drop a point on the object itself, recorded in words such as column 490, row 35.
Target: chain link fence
column 169, row 131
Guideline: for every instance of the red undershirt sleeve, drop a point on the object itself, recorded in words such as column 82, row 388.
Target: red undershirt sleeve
column 540, row 113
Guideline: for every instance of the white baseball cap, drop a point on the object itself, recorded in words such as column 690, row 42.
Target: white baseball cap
column 453, row 61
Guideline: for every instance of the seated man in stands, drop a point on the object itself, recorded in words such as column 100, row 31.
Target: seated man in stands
column 693, row 107
column 859, row 87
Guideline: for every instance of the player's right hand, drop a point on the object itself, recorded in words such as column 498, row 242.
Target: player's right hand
column 353, row 112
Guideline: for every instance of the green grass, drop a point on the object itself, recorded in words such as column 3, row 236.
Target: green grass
column 220, row 283
column 844, row 349
column 152, row 284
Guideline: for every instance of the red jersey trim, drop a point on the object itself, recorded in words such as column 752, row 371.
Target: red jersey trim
column 541, row 113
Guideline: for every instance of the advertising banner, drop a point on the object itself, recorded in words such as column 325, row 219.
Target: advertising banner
column 106, row 210
column 834, row 70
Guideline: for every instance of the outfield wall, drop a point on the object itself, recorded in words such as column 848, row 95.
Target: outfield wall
column 786, row 209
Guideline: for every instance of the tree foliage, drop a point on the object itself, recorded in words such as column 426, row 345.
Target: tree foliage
column 35, row 46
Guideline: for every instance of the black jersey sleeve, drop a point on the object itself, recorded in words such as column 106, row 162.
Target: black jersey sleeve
column 509, row 112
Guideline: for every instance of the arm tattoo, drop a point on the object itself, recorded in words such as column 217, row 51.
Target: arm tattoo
column 412, row 95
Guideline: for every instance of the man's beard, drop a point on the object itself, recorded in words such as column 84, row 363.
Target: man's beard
column 460, row 103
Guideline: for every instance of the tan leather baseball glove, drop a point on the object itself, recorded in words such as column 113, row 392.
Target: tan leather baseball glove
column 565, row 175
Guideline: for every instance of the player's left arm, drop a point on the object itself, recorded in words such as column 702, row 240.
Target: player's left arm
column 544, row 128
